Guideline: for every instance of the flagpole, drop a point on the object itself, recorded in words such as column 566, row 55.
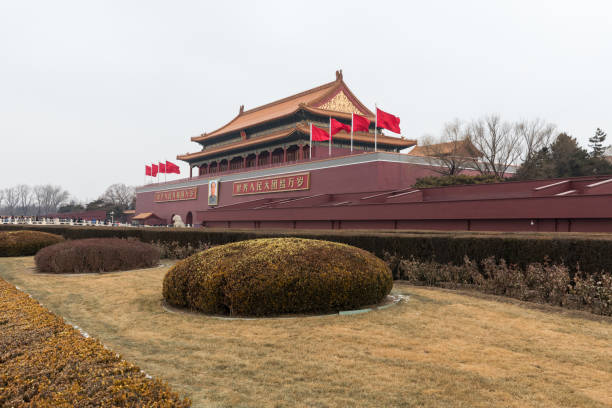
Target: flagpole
column 165, row 170
column 310, row 145
column 352, row 125
column 330, row 136
column 375, row 126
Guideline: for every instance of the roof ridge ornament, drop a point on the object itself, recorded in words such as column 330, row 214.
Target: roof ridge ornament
column 339, row 75
column 241, row 110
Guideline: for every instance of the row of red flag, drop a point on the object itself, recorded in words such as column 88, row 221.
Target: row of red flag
column 162, row 168
column 359, row 124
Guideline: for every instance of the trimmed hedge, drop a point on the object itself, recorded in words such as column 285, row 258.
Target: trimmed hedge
column 276, row 276
column 96, row 255
column 25, row 243
column 46, row 363
column 593, row 252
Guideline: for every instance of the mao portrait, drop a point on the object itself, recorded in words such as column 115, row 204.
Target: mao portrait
column 213, row 192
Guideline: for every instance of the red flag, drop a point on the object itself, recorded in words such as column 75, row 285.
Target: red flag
column 172, row 168
column 147, row 170
column 387, row 121
column 162, row 167
column 318, row 135
column 361, row 123
column 154, row 170
column 338, row 126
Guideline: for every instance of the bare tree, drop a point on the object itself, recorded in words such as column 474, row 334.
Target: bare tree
column 49, row 198
column 452, row 152
column 57, row 197
column 119, row 195
column 535, row 134
column 499, row 142
column 24, row 197
column 11, row 199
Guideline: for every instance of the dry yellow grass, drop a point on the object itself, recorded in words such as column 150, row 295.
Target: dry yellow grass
column 440, row 348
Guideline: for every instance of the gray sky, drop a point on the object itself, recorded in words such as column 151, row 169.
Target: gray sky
column 91, row 91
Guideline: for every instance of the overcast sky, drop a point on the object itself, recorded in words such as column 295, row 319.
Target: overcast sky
column 91, row 91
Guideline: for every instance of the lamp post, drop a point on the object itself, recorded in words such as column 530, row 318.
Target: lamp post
column 112, row 213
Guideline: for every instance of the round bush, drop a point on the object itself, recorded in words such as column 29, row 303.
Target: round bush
column 25, row 243
column 277, row 275
column 96, row 255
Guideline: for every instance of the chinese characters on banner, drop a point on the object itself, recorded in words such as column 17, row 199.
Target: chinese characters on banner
column 176, row 195
column 277, row 184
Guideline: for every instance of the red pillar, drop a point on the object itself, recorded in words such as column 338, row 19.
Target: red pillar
column 284, row 155
column 256, row 160
column 300, row 152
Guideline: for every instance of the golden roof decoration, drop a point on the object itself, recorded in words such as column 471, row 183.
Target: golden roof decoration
column 340, row 103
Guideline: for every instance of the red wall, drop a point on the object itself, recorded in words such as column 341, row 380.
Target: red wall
column 512, row 206
column 357, row 178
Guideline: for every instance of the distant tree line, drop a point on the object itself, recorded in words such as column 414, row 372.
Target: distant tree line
column 565, row 158
column 41, row 200
column 492, row 146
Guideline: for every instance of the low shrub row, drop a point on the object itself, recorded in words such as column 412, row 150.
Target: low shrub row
column 25, row 243
column 276, row 276
column 538, row 282
column 45, row 362
column 96, row 255
column 176, row 250
column 590, row 253
column 456, row 180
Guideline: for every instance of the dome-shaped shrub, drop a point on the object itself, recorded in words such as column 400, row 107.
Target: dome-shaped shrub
column 96, row 255
column 277, row 275
column 25, row 243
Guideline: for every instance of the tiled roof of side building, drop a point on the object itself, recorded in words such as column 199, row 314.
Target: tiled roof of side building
column 143, row 216
column 462, row 148
column 312, row 98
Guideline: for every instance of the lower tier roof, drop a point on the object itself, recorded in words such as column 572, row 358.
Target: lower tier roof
column 302, row 131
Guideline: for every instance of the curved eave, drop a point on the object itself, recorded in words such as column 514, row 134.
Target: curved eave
column 241, row 144
column 316, row 111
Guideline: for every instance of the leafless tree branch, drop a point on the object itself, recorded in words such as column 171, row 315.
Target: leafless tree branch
column 499, row 142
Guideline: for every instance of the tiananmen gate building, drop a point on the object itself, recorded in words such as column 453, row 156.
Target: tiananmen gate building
column 261, row 170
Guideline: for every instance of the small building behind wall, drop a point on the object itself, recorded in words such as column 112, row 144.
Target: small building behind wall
column 148, row 218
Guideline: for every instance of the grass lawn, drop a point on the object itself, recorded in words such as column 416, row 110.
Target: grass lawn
column 440, row 348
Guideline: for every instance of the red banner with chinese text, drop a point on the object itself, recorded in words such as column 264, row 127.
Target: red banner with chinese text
column 176, row 195
column 276, row 184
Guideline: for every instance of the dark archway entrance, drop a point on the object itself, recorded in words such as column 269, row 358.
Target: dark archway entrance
column 189, row 219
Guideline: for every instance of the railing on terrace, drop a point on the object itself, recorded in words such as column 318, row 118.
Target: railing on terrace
column 321, row 156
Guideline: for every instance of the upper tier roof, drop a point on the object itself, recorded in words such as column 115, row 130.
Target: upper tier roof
column 332, row 98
